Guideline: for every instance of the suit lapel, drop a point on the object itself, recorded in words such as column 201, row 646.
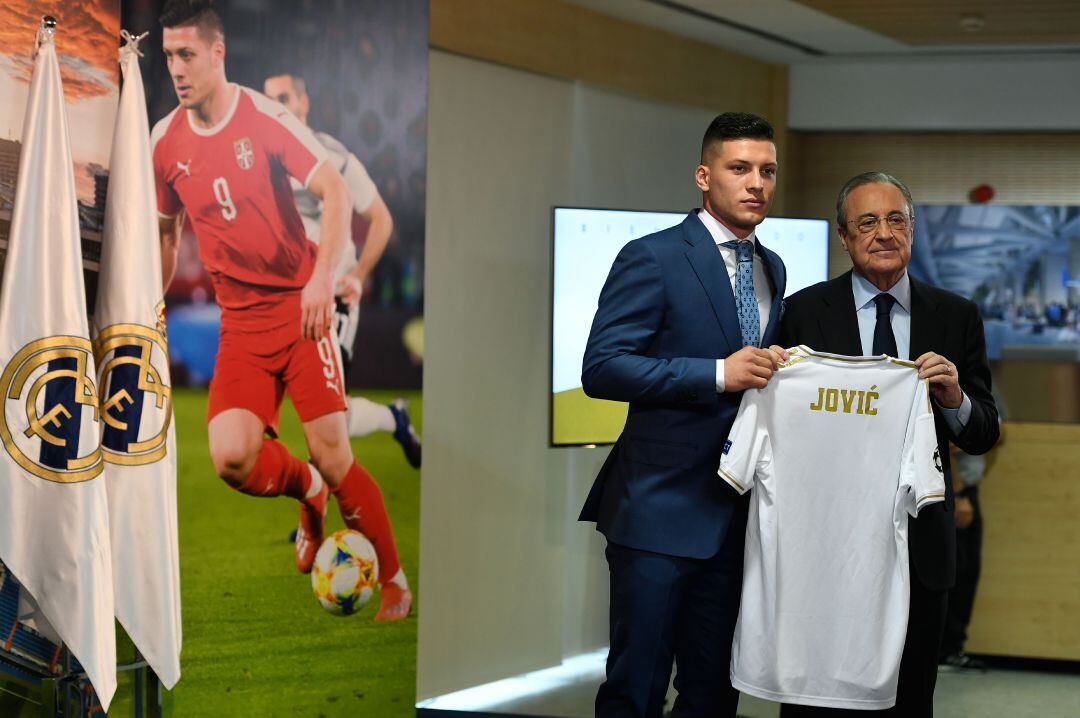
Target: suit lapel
column 923, row 335
column 708, row 265
column 838, row 323
column 774, row 270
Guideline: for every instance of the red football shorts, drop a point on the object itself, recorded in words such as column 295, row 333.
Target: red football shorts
column 254, row 370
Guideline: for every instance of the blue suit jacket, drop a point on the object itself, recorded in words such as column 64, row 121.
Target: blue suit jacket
column 665, row 315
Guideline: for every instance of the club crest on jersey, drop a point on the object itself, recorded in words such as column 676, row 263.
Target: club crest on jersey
column 50, row 421
column 245, row 154
column 937, row 460
column 727, row 446
column 136, row 403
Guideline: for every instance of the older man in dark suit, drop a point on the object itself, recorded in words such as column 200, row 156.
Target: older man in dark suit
column 877, row 308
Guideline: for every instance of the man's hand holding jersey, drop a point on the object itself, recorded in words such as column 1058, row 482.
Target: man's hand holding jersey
column 944, row 379
column 751, row 367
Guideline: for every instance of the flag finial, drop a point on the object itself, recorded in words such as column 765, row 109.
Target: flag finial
column 131, row 43
column 45, row 32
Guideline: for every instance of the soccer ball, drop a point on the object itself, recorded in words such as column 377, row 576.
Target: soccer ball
column 345, row 572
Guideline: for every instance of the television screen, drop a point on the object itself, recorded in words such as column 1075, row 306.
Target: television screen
column 586, row 242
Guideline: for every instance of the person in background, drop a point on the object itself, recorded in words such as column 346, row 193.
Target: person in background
column 352, row 271
column 968, row 474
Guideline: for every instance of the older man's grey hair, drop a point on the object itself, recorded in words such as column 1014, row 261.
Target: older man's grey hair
column 869, row 178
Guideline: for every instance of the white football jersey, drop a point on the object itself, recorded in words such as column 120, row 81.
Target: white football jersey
column 839, row 451
column 361, row 188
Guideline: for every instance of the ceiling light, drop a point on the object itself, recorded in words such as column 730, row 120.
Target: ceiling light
column 972, row 23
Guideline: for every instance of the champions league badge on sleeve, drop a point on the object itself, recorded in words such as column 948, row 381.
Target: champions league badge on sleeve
column 50, row 421
column 136, row 403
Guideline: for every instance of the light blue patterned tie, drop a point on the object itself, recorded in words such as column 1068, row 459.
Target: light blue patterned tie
column 745, row 299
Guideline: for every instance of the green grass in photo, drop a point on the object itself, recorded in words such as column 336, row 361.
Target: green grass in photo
column 256, row 642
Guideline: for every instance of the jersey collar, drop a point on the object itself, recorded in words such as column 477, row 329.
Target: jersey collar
column 209, row 131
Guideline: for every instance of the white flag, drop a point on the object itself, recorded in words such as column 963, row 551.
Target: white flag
column 54, row 523
column 138, row 439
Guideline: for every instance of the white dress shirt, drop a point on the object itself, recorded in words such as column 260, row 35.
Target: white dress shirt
column 762, row 289
column 900, row 319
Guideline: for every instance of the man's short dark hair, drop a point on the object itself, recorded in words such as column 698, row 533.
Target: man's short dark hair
column 735, row 126
column 298, row 82
column 869, row 178
column 194, row 13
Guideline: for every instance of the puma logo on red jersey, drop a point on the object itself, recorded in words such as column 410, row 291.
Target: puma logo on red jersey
column 186, row 166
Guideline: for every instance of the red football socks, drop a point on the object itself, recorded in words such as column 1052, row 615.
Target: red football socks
column 362, row 507
column 277, row 473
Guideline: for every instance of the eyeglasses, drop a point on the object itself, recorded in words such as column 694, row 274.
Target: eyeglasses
column 896, row 222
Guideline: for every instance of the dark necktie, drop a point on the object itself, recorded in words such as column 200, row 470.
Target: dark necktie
column 884, row 340
column 745, row 298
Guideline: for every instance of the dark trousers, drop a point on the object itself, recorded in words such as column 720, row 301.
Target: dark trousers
column 918, row 665
column 962, row 596
column 665, row 609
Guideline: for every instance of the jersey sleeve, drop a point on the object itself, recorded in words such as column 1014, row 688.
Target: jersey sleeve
column 168, row 202
column 922, row 478
column 361, row 188
column 295, row 147
column 746, row 444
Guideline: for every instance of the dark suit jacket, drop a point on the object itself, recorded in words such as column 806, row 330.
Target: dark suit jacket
column 823, row 318
column 666, row 314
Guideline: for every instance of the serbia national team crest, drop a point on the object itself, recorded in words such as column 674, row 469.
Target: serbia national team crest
column 50, row 421
column 245, row 155
column 136, row 403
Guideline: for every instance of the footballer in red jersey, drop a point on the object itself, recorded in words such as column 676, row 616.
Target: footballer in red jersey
column 224, row 158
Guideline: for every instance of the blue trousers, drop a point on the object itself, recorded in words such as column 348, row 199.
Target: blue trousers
column 667, row 609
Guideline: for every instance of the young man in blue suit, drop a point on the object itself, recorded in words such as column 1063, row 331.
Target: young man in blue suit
column 678, row 334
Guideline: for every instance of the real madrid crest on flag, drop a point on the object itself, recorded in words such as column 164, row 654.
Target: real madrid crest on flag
column 54, row 513
column 245, row 155
column 137, row 409
column 50, row 409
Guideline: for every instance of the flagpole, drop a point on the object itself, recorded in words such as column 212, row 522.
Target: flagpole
column 54, row 533
column 131, row 349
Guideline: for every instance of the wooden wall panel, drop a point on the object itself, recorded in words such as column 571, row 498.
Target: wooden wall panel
column 573, row 43
column 938, row 168
column 1028, row 601
column 554, row 38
